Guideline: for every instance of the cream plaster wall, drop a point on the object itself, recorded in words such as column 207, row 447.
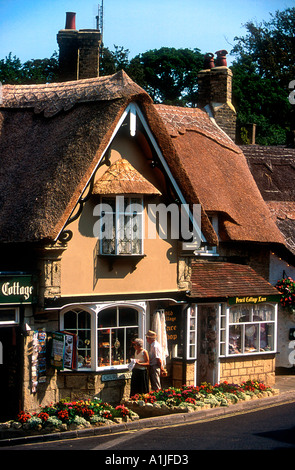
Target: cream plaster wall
column 83, row 272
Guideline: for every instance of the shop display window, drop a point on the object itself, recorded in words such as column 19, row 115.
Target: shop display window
column 117, row 328
column 79, row 322
column 251, row 329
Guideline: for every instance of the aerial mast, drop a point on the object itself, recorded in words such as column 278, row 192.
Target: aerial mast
column 99, row 19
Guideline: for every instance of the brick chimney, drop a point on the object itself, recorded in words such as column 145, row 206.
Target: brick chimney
column 215, row 92
column 78, row 51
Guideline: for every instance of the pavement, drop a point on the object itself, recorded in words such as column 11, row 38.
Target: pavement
column 284, row 383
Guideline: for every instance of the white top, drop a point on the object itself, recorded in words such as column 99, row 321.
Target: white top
column 141, row 358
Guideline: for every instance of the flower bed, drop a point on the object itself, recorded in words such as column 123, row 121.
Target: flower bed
column 66, row 415
column 189, row 398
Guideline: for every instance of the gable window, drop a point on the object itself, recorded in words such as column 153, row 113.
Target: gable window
column 121, row 226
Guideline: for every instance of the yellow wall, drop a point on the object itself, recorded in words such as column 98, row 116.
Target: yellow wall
column 85, row 273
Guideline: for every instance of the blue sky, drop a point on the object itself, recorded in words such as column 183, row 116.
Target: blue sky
column 28, row 28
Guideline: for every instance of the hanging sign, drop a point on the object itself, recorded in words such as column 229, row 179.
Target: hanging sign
column 63, row 350
column 57, row 351
column 70, row 348
column 16, row 289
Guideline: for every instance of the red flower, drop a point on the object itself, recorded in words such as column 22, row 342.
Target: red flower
column 23, row 417
column 43, row 416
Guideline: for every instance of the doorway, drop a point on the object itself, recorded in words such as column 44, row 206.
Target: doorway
column 207, row 357
column 10, row 372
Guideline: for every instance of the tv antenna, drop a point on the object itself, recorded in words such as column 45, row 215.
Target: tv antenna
column 99, row 19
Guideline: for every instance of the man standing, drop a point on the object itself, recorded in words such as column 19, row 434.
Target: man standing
column 156, row 365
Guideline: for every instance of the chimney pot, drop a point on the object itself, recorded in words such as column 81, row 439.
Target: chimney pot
column 70, row 20
column 221, row 58
column 209, row 61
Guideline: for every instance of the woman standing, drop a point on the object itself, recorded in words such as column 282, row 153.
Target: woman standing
column 139, row 378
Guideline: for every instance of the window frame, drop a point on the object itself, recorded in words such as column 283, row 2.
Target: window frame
column 94, row 311
column 117, row 215
column 10, row 322
column 224, row 331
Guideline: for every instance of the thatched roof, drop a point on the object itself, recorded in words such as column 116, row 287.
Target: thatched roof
column 122, row 178
column 273, row 168
column 51, row 98
column 219, row 174
column 222, row 280
column 53, row 136
column 48, row 158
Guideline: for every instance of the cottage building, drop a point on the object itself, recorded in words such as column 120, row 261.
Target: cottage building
column 119, row 216
column 273, row 168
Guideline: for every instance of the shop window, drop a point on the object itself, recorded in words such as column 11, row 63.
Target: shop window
column 79, row 322
column 9, row 316
column 251, row 329
column 192, row 333
column 117, row 327
column 121, row 223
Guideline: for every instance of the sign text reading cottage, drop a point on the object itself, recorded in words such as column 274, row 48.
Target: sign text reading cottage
column 16, row 289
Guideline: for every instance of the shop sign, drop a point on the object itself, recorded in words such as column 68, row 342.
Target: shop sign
column 256, row 299
column 109, row 377
column 16, row 289
column 173, row 317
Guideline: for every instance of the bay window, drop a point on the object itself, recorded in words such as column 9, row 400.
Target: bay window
column 104, row 334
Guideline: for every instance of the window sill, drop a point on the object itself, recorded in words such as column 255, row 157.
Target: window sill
column 248, row 354
column 100, row 370
column 112, row 259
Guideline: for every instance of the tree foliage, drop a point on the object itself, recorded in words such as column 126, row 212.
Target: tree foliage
column 262, row 71
column 263, row 68
column 12, row 71
column 169, row 75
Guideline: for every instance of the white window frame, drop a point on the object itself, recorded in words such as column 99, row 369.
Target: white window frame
column 225, row 325
column 207, row 250
column 94, row 310
column 192, row 331
column 10, row 322
column 118, row 215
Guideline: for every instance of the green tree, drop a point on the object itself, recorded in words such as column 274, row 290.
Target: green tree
column 113, row 61
column 169, row 75
column 12, row 71
column 263, row 68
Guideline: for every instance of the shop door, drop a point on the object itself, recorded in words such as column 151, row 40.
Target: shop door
column 207, row 344
column 9, row 372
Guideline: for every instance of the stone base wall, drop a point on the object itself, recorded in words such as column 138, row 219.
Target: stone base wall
column 236, row 370
column 180, row 376
column 72, row 385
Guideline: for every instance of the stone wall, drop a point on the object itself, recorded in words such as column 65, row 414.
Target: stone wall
column 72, row 385
column 183, row 375
column 236, row 370
column 215, row 89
